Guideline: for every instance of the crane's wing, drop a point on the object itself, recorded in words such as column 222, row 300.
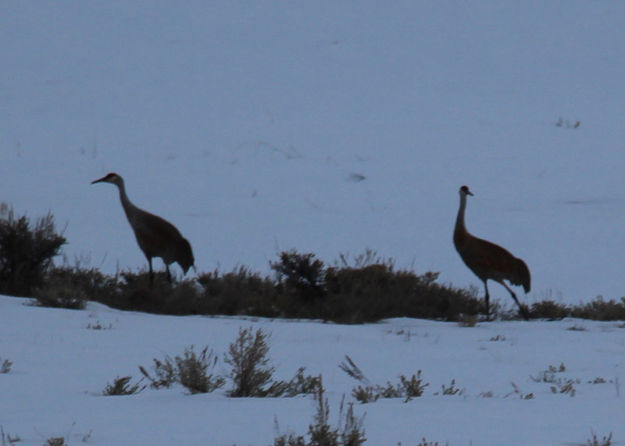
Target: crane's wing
column 490, row 261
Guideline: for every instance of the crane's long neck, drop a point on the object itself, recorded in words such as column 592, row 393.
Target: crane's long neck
column 460, row 227
column 130, row 209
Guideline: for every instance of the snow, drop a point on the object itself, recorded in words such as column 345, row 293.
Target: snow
column 328, row 127
column 60, row 367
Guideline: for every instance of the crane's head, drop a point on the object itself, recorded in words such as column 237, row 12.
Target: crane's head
column 112, row 178
column 184, row 255
column 464, row 191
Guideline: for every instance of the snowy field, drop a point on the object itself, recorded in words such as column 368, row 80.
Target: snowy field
column 60, row 367
column 329, row 127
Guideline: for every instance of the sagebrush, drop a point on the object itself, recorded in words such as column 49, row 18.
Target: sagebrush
column 26, row 251
column 192, row 370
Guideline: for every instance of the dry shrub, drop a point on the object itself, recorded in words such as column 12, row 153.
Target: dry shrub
column 247, row 356
column 192, row 370
column 26, row 252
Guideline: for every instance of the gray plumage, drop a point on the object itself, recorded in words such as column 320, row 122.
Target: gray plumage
column 156, row 236
column 488, row 260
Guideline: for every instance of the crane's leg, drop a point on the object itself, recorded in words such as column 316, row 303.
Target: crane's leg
column 487, row 299
column 522, row 309
column 168, row 273
column 151, row 272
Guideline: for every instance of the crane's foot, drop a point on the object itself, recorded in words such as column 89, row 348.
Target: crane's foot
column 524, row 312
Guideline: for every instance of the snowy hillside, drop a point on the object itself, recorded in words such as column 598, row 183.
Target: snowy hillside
column 329, row 127
column 61, row 365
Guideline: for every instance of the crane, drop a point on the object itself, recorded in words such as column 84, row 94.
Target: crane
column 156, row 236
column 488, row 260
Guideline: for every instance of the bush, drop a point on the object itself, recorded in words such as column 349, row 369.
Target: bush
column 239, row 292
column 300, row 274
column 60, row 293
column 594, row 440
column 373, row 292
column 548, row 309
column 8, row 439
column 250, row 366
column 5, row 365
column 26, row 252
column 601, row 310
column 407, row 388
column 190, row 370
column 597, row 309
column 365, row 290
column 349, row 432
column 304, row 288
column 121, row 386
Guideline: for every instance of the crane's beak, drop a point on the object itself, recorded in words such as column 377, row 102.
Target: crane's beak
column 98, row 181
column 469, row 193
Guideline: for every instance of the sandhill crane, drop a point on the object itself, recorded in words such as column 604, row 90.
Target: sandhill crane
column 156, row 236
column 488, row 260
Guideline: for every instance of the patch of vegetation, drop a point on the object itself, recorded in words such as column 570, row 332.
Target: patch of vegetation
column 565, row 387
column 26, row 251
column 239, row 292
column 376, row 291
column 191, row 370
column 247, row 356
column 367, row 288
column 576, row 327
column 598, row 380
column 549, row 309
column 71, row 286
column 122, row 386
column 517, row 391
column 349, row 432
column 60, row 293
column 5, row 365
column 407, row 388
column 424, row 442
column 597, row 309
column 252, row 374
column 300, row 275
column 567, row 124
column 451, row 389
column 549, row 375
column 99, row 326
column 468, row 320
column 56, row 441
column 558, row 383
column 595, row 441
column 300, row 384
column 303, row 287
column 8, row 439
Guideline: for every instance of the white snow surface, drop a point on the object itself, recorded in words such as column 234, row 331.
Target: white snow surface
column 60, row 367
column 249, row 124
column 329, row 127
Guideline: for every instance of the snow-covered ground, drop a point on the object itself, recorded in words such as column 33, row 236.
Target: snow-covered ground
column 60, row 367
column 329, row 127
column 249, row 125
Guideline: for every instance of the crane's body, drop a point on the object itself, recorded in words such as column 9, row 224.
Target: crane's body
column 488, row 260
column 156, row 236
